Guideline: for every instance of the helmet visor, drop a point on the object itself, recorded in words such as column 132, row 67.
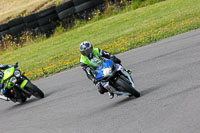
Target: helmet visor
column 87, row 52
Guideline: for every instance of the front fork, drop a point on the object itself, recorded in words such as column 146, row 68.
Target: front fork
column 124, row 72
column 107, row 86
column 129, row 77
column 22, row 85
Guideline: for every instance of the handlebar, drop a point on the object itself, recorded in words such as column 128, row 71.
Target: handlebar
column 16, row 65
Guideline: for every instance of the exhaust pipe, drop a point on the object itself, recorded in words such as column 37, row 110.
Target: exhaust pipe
column 4, row 98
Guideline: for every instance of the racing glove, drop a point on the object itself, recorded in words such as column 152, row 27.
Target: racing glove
column 116, row 60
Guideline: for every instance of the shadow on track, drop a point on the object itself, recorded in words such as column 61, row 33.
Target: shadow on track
column 158, row 86
column 47, row 94
column 108, row 107
column 123, row 101
column 31, row 100
column 150, row 90
column 18, row 105
column 188, row 90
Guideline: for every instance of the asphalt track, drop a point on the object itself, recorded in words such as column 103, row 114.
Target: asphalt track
column 167, row 73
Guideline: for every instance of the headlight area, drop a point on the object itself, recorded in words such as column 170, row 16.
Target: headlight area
column 13, row 80
column 17, row 73
column 107, row 72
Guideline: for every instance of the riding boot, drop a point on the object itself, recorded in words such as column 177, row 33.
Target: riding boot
column 111, row 94
column 101, row 89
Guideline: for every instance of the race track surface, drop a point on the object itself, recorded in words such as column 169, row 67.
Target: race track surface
column 167, row 73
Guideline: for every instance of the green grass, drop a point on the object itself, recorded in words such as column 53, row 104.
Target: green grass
column 117, row 33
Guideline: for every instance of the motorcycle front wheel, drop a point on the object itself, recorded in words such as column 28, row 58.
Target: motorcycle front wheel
column 23, row 100
column 125, row 85
column 34, row 90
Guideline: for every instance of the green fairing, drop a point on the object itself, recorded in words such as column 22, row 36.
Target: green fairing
column 8, row 73
column 9, row 85
column 23, row 84
column 85, row 60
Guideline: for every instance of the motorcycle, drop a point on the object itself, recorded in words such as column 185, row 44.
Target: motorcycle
column 114, row 77
column 17, row 86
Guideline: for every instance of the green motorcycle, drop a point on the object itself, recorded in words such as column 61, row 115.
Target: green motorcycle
column 18, row 87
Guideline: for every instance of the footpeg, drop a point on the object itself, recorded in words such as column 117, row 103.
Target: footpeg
column 129, row 71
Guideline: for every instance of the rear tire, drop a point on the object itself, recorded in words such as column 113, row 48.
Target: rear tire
column 48, row 19
column 125, row 86
column 34, row 90
column 15, row 22
column 79, row 2
column 4, row 27
column 64, row 6
column 84, row 6
column 66, row 13
column 46, row 12
column 32, row 25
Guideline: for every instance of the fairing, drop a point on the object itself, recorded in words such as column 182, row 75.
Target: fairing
column 99, row 71
column 8, row 73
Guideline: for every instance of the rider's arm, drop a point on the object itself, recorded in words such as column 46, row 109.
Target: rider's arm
column 109, row 56
column 105, row 54
column 3, row 67
column 87, row 70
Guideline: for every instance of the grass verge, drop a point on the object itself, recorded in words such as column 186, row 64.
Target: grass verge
column 117, row 33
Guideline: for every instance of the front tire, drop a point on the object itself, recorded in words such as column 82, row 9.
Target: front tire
column 126, row 86
column 35, row 90
column 22, row 100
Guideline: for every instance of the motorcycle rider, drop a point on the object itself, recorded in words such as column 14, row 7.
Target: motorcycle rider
column 87, row 53
column 5, row 91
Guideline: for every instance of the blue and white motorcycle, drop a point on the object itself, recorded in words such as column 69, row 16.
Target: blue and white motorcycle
column 114, row 77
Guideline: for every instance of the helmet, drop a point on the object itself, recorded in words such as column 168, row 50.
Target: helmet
column 86, row 49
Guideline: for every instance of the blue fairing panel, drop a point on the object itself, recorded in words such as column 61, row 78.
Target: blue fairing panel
column 99, row 71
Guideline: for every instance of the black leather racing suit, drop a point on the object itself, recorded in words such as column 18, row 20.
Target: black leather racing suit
column 87, row 69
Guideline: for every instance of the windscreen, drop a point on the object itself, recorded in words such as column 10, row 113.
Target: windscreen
column 96, row 63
